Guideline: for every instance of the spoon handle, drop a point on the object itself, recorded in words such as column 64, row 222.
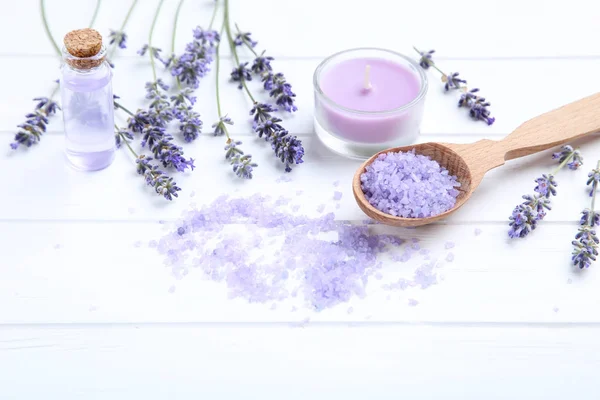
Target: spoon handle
column 553, row 128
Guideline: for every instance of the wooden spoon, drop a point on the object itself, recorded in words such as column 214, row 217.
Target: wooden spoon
column 470, row 162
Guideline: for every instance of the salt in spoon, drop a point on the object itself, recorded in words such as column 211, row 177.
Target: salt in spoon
column 470, row 162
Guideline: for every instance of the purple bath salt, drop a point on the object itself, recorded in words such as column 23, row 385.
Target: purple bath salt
column 324, row 261
column 337, row 196
column 409, row 185
column 477, row 231
column 449, row 245
column 450, row 257
column 412, row 302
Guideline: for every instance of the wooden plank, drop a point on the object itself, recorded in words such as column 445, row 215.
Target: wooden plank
column 417, row 362
column 106, row 272
column 500, row 82
column 318, row 28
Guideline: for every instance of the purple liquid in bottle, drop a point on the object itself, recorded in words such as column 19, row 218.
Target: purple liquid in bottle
column 87, row 104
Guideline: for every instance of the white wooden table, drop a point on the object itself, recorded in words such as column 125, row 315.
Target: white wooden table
column 84, row 314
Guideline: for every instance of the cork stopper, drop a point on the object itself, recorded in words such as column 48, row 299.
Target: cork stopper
column 83, row 45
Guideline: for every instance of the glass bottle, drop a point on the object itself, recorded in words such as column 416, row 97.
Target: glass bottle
column 87, row 101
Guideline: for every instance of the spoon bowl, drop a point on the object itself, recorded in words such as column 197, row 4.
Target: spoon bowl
column 470, row 162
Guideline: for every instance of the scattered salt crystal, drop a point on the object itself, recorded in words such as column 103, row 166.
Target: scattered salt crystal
column 272, row 255
column 449, row 245
column 569, row 281
column 378, row 276
column 415, row 246
column 412, row 302
column 299, row 192
column 350, row 310
column 57, row 246
column 92, row 308
column 321, row 208
column 477, row 231
column 450, row 257
column 424, row 252
column 294, row 309
column 295, row 208
column 555, row 309
column 336, row 183
column 337, row 195
column 337, row 206
column 192, row 194
column 409, row 185
column 131, row 210
column 137, row 243
column 273, row 306
column 172, row 289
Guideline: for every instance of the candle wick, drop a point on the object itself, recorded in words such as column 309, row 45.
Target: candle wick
column 367, row 85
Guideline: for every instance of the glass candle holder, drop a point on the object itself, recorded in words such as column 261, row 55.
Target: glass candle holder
column 367, row 100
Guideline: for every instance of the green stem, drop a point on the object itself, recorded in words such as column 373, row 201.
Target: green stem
column 123, row 108
column 593, row 206
column 562, row 164
column 218, row 63
column 431, row 63
column 112, row 52
column 124, row 140
column 175, row 26
column 47, row 29
column 233, row 48
column 98, row 2
column 150, row 50
column 212, row 19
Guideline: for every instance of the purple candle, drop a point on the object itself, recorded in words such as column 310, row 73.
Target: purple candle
column 367, row 100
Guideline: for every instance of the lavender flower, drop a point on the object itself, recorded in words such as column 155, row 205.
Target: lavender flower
column 425, row 62
column 170, row 154
column 288, row 148
column 244, row 38
column 573, row 154
column 119, row 37
column 189, row 69
column 262, row 64
column 593, row 179
column 467, row 99
column 522, row 221
column 155, row 51
column 232, row 150
column 585, row 245
column 479, row 111
column 526, row 215
column 191, row 125
column 184, row 95
column 546, row 186
column 241, row 74
column 210, row 38
column 156, row 178
column 194, row 63
column 243, row 165
column 219, row 126
column 452, row 81
column 35, row 123
column 590, row 218
column 139, row 121
column 121, row 135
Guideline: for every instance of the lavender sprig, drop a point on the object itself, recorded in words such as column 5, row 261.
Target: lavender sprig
column 287, row 148
column 242, row 164
column 526, row 215
column 477, row 105
column 118, row 37
column 585, row 245
column 566, row 151
column 35, row 124
column 275, row 83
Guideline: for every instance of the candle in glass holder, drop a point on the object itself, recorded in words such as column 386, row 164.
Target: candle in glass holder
column 367, row 100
